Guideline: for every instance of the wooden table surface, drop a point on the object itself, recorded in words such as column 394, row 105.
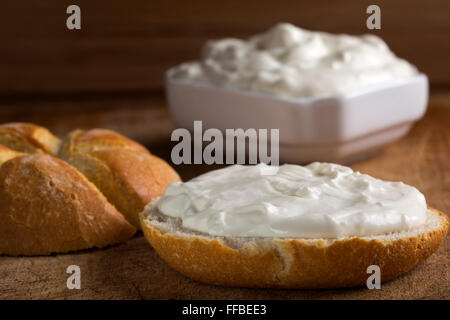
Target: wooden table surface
column 134, row 271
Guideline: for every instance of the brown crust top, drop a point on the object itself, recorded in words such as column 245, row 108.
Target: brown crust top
column 29, row 138
column 98, row 139
column 294, row 263
column 126, row 173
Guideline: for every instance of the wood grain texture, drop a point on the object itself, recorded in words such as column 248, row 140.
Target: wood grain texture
column 134, row 271
column 127, row 46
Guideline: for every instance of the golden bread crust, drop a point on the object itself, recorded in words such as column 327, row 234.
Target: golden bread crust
column 6, row 154
column 47, row 205
column 126, row 173
column 294, row 263
column 77, row 216
column 99, row 139
column 28, row 138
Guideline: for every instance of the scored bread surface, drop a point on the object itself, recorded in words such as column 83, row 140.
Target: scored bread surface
column 126, row 173
column 47, row 206
column 289, row 263
column 28, row 138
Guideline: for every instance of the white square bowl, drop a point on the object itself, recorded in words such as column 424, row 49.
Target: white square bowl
column 339, row 128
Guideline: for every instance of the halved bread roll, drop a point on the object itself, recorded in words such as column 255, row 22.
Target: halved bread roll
column 289, row 263
column 267, row 262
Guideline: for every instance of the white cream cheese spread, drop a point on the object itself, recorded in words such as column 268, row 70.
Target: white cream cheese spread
column 321, row 200
column 293, row 62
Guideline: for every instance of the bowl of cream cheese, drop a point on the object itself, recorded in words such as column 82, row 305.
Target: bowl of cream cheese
column 333, row 97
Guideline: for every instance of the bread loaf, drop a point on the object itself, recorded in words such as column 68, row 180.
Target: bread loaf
column 89, row 197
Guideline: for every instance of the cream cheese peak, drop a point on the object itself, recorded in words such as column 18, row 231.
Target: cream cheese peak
column 294, row 62
column 321, row 200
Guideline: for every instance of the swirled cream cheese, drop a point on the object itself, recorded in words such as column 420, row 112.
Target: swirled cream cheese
column 294, row 62
column 321, row 200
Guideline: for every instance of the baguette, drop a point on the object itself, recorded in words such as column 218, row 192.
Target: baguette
column 289, row 263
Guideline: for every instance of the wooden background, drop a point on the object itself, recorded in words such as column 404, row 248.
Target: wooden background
column 125, row 46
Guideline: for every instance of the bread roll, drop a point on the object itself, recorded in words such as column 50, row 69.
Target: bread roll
column 289, row 263
column 47, row 205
